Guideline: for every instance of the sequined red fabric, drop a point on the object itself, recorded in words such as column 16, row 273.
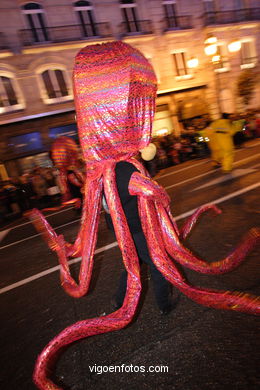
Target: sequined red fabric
column 115, row 88
column 65, row 156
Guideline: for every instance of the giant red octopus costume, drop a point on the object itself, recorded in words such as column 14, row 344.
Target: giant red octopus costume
column 115, row 91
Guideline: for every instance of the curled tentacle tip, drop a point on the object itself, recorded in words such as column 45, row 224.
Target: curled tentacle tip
column 217, row 209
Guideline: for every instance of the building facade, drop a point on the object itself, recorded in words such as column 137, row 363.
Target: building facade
column 39, row 40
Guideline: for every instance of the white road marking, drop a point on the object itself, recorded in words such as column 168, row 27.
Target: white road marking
column 182, row 169
column 234, row 174
column 220, row 200
column 113, row 244
column 49, row 215
column 3, row 233
column 201, row 163
column 211, row 171
column 38, row 234
column 51, row 270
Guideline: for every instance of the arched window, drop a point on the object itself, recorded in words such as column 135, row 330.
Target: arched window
column 9, row 94
column 130, row 15
column 34, row 15
column 84, row 11
column 55, row 84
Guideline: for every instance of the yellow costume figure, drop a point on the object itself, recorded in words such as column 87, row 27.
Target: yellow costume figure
column 220, row 134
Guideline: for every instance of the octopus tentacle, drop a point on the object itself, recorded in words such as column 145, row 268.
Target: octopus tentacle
column 90, row 327
column 218, row 299
column 183, row 256
column 190, row 222
column 86, row 247
column 147, row 189
column 111, row 322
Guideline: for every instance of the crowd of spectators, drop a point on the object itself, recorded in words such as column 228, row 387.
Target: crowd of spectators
column 39, row 188
column 192, row 144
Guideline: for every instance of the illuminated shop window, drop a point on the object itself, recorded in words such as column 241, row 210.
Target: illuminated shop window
column 84, row 11
column 35, row 21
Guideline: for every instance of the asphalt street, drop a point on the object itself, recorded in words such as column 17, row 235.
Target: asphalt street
column 193, row 348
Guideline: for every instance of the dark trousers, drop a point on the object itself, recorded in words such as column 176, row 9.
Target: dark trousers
column 161, row 287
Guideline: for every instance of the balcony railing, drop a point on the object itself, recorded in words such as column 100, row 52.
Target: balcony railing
column 177, row 23
column 3, row 42
column 248, row 60
column 233, row 16
column 136, row 27
column 64, row 33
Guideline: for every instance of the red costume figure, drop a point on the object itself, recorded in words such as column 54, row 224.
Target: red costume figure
column 115, row 90
column 65, row 156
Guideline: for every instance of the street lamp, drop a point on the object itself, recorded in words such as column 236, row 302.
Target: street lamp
column 211, row 49
column 210, row 45
column 193, row 62
column 211, row 39
column 234, row 46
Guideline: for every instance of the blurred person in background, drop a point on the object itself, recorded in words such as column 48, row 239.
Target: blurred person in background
column 27, row 194
column 40, row 189
column 220, row 133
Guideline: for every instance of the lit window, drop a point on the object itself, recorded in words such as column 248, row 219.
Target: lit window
column 180, row 64
column 9, row 95
column 86, row 18
column 248, row 54
column 35, row 20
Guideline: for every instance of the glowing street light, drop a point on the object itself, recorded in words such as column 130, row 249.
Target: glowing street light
column 210, row 50
column 215, row 59
column 210, row 40
column 234, row 46
column 193, row 62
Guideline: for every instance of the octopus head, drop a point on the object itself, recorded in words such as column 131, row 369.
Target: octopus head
column 115, row 90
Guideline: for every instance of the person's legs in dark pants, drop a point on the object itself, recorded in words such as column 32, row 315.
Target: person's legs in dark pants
column 161, row 287
column 119, row 296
